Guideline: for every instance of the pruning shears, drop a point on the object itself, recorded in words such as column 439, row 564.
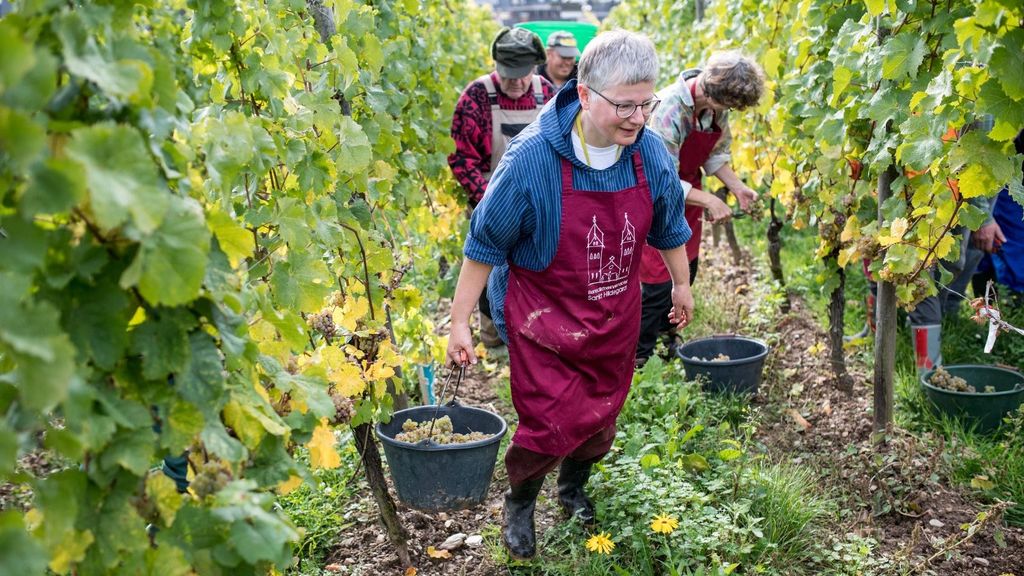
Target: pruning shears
column 736, row 215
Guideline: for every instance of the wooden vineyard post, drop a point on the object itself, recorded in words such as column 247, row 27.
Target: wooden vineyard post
column 885, row 332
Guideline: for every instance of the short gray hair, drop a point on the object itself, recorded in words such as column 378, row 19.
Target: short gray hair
column 618, row 58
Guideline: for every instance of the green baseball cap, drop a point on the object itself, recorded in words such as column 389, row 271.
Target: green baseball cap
column 516, row 51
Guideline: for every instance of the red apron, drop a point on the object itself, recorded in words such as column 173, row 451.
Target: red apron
column 573, row 327
column 693, row 153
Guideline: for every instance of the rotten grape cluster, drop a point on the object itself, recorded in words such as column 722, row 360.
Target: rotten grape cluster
column 323, row 322
column 413, row 432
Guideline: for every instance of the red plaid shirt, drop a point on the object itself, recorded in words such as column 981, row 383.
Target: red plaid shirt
column 471, row 130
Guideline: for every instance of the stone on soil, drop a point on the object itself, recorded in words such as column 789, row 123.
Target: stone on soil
column 453, row 542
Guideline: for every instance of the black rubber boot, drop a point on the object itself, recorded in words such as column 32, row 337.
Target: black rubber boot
column 572, row 477
column 519, row 534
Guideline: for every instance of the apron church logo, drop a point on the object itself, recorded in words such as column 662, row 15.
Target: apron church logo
column 615, row 267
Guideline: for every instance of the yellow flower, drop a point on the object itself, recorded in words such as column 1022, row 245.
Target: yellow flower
column 601, row 543
column 664, row 524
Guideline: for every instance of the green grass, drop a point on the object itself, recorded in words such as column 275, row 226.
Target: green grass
column 793, row 509
column 323, row 512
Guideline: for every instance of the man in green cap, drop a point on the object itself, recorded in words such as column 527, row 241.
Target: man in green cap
column 562, row 53
column 491, row 111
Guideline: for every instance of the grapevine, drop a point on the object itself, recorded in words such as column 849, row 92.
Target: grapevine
column 211, row 206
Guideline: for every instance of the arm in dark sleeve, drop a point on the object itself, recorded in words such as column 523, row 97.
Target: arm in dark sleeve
column 472, row 136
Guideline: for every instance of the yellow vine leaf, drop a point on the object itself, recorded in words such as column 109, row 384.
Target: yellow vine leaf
column 824, row 247
column 346, row 376
column 896, row 231
column 33, row 519
column 236, row 242
column 944, row 246
column 851, row 231
column 260, row 389
column 139, row 317
column 772, row 59
column 875, row 7
column 848, row 255
column 289, row 485
column 321, row 447
column 975, row 180
column 249, row 430
column 298, row 404
column 351, row 313
column 379, row 370
column 71, row 550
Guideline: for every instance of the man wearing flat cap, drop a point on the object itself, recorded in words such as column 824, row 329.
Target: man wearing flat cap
column 491, row 111
column 562, row 53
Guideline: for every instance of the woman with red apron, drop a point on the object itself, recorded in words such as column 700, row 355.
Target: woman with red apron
column 728, row 81
column 578, row 193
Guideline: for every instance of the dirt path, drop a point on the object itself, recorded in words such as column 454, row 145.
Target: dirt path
column 896, row 495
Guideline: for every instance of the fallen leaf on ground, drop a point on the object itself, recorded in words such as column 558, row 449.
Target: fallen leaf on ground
column 410, row 571
column 435, row 553
column 799, row 419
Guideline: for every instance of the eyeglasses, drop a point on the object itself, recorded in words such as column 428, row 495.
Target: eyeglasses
column 718, row 105
column 625, row 110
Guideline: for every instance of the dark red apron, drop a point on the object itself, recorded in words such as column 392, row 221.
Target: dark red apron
column 573, row 327
column 693, row 153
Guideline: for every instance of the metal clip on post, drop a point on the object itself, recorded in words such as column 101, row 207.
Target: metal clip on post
column 444, row 390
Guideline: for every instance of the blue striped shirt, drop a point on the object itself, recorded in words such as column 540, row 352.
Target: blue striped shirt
column 519, row 218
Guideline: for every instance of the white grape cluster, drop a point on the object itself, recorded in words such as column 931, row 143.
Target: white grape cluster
column 719, row 358
column 943, row 379
column 211, row 477
column 414, row 432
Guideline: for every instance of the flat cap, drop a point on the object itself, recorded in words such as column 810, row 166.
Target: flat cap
column 516, row 51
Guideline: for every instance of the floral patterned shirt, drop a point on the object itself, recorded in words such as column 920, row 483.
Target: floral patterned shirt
column 673, row 121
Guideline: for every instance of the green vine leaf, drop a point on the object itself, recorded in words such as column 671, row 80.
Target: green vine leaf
column 171, row 262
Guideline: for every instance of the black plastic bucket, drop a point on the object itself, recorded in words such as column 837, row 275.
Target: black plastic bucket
column 443, row 477
column 740, row 374
column 984, row 410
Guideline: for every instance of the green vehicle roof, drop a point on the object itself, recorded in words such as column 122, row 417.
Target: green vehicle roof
column 583, row 31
